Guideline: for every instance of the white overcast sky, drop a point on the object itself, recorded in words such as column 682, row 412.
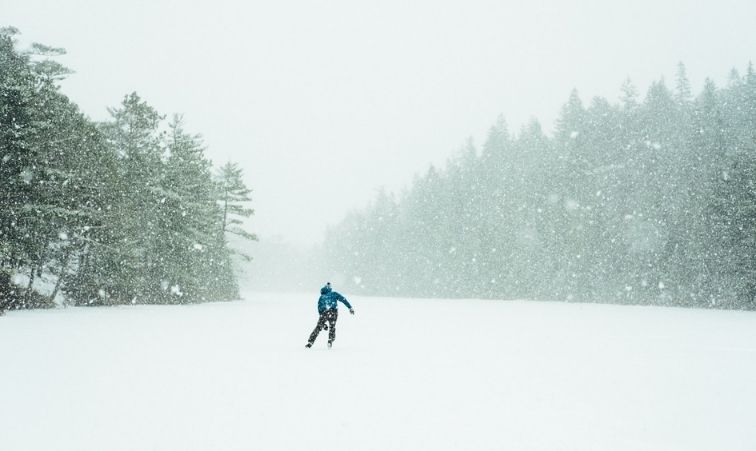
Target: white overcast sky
column 323, row 102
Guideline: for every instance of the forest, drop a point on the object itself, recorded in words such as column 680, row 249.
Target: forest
column 646, row 200
column 125, row 211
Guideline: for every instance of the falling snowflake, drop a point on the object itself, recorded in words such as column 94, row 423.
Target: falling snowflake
column 27, row 175
column 571, row 204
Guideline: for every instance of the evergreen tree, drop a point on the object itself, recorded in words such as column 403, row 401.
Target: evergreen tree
column 51, row 161
column 683, row 92
column 19, row 155
column 233, row 196
column 193, row 261
column 132, row 218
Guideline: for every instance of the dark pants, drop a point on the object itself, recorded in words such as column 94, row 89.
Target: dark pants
column 329, row 315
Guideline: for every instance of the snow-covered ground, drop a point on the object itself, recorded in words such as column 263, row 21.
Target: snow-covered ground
column 404, row 374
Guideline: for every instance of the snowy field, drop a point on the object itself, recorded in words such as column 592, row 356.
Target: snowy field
column 404, row 374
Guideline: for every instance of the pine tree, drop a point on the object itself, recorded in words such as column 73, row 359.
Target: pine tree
column 233, row 197
column 683, row 92
column 127, row 256
column 194, row 261
column 629, row 96
column 19, row 155
column 52, row 158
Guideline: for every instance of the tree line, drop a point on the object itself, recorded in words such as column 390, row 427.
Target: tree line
column 648, row 201
column 124, row 211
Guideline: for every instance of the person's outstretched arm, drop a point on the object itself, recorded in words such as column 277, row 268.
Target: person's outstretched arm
column 341, row 298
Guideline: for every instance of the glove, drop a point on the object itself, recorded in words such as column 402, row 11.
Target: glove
column 351, row 310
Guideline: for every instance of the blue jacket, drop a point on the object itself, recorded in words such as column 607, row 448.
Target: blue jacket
column 330, row 299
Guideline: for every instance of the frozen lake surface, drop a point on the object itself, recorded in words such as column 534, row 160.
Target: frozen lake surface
column 404, row 374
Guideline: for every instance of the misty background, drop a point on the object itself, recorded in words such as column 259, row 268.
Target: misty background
column 323, row 104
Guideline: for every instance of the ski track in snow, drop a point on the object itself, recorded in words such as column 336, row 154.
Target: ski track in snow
column 404, row 374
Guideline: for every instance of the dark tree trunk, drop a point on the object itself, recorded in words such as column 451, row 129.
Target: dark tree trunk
column 63, row 269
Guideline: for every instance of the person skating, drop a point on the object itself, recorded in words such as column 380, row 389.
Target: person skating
column 328, row 314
